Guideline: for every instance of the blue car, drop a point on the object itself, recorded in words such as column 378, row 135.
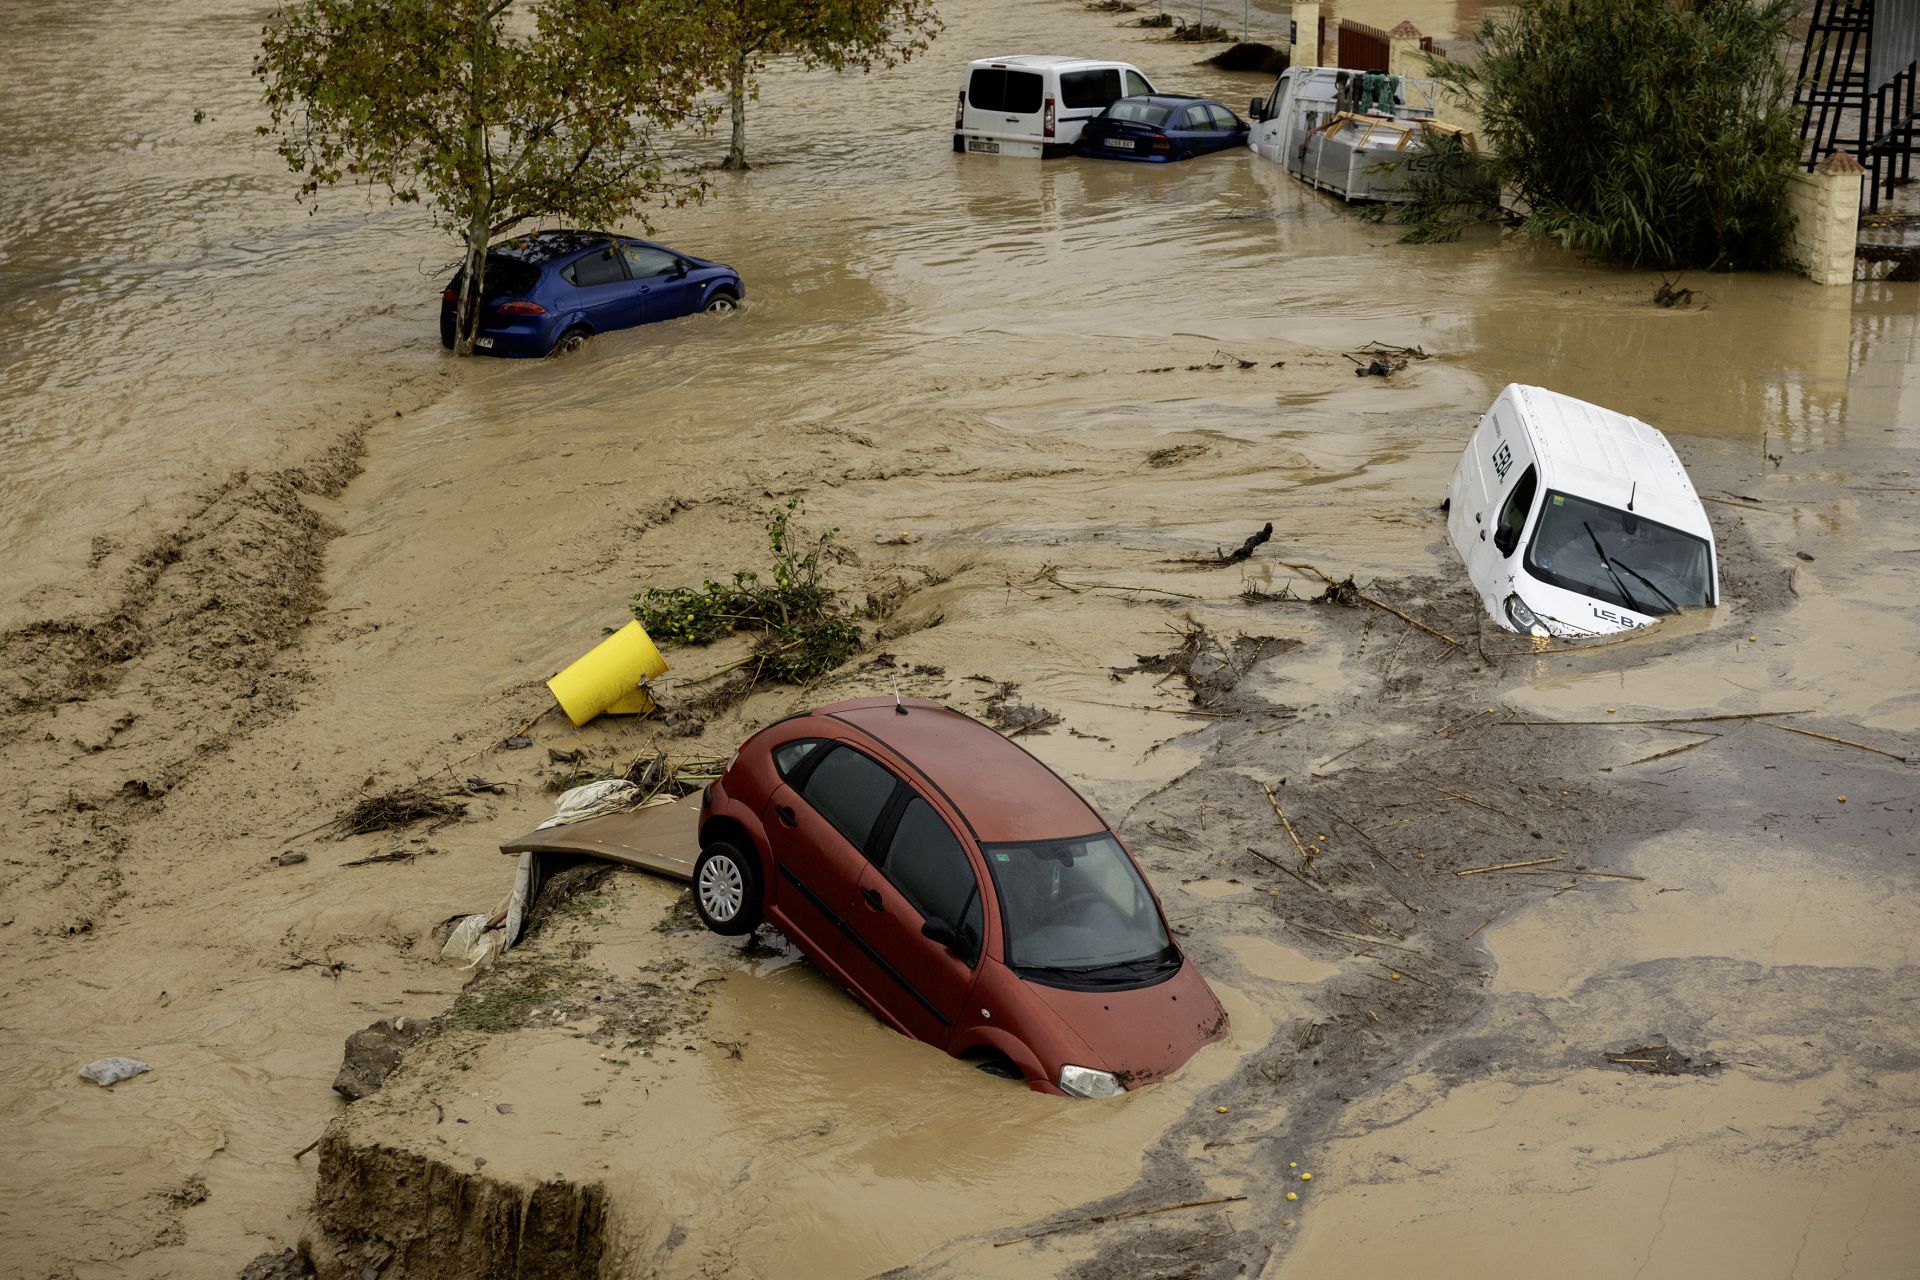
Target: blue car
column 547, row 293
column 1158, row 127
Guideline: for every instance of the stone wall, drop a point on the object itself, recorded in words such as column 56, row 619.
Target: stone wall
column 1826, row 216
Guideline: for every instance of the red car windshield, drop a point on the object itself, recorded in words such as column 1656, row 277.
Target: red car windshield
column 1077, row 906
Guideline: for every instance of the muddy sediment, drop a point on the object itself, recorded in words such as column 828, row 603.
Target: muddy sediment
column 212, row 649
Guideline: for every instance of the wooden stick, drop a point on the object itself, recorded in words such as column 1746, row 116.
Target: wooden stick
column 1477, row 928
column 1673, row 751
column 1099, row 1218
column 1509, row 866
column 1381, row 853
column 1664, row 720
column 310, row 1146
column 1481, row 804
column 1725, row 502
column 1275, row 802
column 1354, row 937
column 1387, row 673
column 1165, row 711
column 1378, row 604
column 1281, row 866
column 1845, row 742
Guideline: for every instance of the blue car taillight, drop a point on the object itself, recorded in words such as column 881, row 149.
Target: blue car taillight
column 521, row 308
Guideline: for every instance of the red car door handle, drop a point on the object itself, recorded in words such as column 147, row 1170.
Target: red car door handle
column 786, row 815
column 872, row 897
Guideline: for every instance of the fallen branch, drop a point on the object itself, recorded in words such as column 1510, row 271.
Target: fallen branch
column 1165, row 711
column 310, row 1146
column 1282, row 814
column 1663, row 720
column 1053, row 575
column 1479, row 804
column 1477, row 928
column 1354, row 937
column 1099, row 1218
column 1509, row 866
column 1845, row 742
column 1672, row 751
column 1281, row 866
column 1378, row 604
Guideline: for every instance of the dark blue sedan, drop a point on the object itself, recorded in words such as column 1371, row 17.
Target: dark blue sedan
column 547, row 293
column 1158, row 127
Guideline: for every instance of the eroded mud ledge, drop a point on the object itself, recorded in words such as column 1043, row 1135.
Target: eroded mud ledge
column 387, row 1207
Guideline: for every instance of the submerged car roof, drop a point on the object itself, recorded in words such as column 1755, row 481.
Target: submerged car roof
column 1003, row 793
column 1609, row 457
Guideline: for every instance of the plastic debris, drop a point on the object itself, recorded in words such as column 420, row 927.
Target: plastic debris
column 111, row 1071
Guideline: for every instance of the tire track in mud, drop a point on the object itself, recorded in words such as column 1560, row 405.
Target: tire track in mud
column 106, row 711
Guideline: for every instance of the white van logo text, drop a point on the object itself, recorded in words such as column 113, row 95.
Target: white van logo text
column 1614, row 618
column 1502, row 460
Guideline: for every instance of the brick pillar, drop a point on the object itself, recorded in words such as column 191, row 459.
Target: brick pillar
column 1306, row 35
column 1826, row 218
column 1403, row 51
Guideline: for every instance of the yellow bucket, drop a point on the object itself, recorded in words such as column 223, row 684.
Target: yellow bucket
column 607, row 680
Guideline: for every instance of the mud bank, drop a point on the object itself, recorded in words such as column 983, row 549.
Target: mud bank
column 391, row 1208
column 1023, row 367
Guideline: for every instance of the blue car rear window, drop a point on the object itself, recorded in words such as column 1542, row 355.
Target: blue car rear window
column 1139, row 113
column 505, row 278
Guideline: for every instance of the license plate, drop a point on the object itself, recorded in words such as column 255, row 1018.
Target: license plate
column 485, row 344
column 986, row 145
column 1118, row 144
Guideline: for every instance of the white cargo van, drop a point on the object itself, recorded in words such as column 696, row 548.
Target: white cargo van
column 1036, row 105
column 1574, row 520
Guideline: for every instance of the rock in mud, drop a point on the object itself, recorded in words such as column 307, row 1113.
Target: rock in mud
column 437, row 1222
column 371, row 1056
column 288, row 1264
column 111, row 1071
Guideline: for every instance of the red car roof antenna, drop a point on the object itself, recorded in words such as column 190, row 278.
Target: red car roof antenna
column 899, row 707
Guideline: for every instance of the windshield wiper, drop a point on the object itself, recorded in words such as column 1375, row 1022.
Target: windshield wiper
column 1607, row 564
column 1671, row 606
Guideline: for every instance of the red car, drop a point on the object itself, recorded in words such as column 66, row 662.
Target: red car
column 958, row 887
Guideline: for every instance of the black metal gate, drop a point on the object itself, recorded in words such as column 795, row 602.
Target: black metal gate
column 1853, row 93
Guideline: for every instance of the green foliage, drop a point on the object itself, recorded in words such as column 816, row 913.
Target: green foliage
column 842, row 35
column 1649, row 133
column 1449, row 191
column 502, row 1000
column 804, row 628
column 488, row 113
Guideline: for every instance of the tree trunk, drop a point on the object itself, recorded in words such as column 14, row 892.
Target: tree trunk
column 737, row 103
column 467, row 310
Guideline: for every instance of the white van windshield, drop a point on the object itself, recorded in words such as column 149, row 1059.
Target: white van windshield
column 1617, row 556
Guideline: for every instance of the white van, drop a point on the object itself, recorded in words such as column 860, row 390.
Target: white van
column 1035, row 104
column 1574, row 520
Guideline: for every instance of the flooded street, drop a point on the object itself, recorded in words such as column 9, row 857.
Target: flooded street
column 265, row 548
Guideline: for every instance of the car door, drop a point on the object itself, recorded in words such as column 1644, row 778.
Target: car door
column 603, row 292
column 920, row 872
column 666, row 290
column 1196, row 129
column 819, row 822
column 1229, row 130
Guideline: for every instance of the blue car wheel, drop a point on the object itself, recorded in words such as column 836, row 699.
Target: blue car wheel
column 571, row 341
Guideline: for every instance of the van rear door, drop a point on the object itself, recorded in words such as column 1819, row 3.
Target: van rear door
column 1003, row 103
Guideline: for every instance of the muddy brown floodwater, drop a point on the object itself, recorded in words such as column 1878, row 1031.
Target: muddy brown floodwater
column 265, row 547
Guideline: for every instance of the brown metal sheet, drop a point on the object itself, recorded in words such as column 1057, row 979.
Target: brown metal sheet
column 663, row 838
